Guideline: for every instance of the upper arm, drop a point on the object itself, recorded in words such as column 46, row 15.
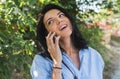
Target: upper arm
column 98, row 58
column 98, row 64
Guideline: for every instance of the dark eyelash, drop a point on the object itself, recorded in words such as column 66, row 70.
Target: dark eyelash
column 49, row 22
column 62, row 14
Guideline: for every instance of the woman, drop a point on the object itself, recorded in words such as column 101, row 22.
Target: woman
column 66, row 55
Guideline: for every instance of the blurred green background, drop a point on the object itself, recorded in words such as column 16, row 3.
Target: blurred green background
column 18, row 20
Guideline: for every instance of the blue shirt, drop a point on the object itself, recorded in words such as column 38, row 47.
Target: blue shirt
column 91, row 66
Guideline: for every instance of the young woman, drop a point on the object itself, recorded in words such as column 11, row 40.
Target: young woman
column 66, row 54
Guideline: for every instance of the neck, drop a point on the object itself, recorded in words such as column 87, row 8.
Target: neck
column 68, row 46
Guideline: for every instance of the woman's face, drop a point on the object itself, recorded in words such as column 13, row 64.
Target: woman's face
column 56, row 21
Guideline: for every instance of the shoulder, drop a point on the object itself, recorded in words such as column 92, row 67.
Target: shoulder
column 90, row 51
column 39, row 58
column 41, row 61
column 92, row 54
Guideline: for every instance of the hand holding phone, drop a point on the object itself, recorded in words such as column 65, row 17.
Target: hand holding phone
column 54, row 48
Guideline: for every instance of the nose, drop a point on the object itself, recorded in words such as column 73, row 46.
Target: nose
column 58, row 20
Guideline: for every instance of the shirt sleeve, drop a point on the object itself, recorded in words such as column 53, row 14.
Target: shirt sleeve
column 98, row 63
column 101, row 62
column 98, row 58
column 40, row 68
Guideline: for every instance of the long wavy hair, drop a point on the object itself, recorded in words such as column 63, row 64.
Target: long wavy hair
column 78, row 41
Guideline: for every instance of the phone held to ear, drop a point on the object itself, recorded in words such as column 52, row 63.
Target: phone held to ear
column 54, row 38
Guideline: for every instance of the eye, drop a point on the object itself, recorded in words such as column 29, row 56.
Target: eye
column 50, row 22
column 61, row 15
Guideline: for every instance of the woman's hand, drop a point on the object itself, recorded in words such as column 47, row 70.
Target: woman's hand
column 54, row 49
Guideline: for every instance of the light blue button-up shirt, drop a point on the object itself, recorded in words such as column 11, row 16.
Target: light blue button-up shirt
column 91, row 66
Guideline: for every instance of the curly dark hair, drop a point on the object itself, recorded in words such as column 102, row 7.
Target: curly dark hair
column 78, row 41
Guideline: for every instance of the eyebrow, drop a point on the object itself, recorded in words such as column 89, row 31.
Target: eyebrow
column 59, row 12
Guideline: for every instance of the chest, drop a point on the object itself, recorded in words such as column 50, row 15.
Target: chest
column 87, row 70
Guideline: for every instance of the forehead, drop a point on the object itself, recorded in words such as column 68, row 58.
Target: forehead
column 51, row 13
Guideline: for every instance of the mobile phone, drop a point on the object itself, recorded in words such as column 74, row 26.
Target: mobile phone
column 54, row 38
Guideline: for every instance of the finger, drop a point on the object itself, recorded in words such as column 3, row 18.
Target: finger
column 49, row 34
column 51, row 38
column 47, row 38
column 52, row 35
column 57, row 41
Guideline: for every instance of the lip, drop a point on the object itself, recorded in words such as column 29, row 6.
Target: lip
column 63, row 27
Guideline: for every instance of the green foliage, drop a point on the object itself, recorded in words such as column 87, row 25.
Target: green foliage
column 18, row 20
column 17, row 35
column 93, row 35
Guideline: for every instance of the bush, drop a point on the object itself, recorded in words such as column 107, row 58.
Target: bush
column 18, row 20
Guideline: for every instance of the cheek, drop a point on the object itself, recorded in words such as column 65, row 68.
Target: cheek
column 70, row 25
column 51, row 28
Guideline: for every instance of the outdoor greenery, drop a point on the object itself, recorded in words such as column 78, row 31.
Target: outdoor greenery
column 18, row 20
